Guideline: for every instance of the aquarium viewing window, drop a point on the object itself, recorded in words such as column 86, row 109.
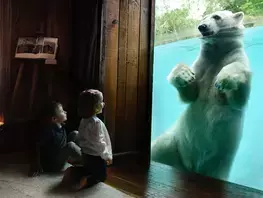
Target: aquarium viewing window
column 207, row 78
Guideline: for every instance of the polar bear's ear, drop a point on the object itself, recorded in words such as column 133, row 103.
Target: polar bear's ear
column 239, row 16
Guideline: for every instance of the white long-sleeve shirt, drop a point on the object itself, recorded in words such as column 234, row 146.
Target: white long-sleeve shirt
column 94, row 138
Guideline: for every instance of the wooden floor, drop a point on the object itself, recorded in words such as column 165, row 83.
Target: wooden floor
column 160, row 181
column 163, row 181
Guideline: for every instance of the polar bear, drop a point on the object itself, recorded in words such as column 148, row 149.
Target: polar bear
column 216, row 88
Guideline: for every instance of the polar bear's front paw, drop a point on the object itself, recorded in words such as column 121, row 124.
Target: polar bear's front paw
column 226, row 82
column 181, row 76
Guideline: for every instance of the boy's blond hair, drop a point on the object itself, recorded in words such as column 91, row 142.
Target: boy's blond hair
column 88, row 101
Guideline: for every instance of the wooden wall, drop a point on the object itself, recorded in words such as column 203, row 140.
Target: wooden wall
column 32, row 18
column 126, row 53
column 77, row 25
column 127, row 69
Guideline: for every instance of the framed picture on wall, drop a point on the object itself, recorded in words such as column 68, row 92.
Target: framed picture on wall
column 36, row 48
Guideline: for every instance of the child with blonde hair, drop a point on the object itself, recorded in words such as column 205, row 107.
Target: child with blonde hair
column 93, row 139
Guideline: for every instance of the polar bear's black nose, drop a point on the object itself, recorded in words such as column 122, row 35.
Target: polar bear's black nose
column 202, row 28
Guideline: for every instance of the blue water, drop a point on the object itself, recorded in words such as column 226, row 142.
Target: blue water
column 166, row 107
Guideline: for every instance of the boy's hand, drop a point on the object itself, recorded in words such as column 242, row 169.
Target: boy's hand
column 109, row 162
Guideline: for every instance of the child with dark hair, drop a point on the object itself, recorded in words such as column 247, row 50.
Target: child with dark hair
column 94, row 140
column 56, row 146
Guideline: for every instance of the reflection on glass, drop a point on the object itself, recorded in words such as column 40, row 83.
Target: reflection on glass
column 205, row 112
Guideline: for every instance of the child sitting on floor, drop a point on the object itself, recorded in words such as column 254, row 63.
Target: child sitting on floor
column 56, row 146
column 93, row 139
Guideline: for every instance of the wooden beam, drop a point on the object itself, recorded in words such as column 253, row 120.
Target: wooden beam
column 150, row 79
column 111, row 30
column 122, row 73
column 132, row 74
column 143, row 74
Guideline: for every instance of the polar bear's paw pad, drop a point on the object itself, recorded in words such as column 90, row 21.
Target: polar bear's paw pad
column 181, row 75
column 226, row 84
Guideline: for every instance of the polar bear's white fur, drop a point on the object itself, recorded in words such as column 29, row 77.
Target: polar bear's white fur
column 206, row 136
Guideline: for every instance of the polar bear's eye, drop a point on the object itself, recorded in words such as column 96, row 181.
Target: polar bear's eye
column 216, row 17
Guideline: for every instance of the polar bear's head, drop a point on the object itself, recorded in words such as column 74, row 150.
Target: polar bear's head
column 219, row 21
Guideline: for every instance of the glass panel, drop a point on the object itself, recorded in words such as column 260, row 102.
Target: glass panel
column 206, row 112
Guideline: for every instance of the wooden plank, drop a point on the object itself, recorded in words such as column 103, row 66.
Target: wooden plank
column 111, row 14
column 122, row 67
column 150, row 79
column 142, row 126
column 132, row 74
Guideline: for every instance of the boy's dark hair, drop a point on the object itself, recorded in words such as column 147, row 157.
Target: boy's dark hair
column 50, row 109
column 87, row 101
